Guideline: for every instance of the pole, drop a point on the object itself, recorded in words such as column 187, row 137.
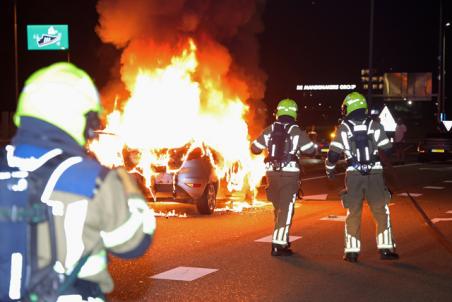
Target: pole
column 16, row 64
column 371, row 47
column 440, row 99
column 443, row 72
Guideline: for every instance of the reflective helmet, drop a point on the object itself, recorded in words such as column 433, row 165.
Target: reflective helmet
column 287, row 107
column 352, row 102
column 62, row 95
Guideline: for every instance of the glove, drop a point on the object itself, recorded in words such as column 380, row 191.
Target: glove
column 330, row 174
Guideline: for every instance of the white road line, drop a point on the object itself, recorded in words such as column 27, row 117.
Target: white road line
column 334, row 218
column 315, row 197
column 184, row 273
column 412, row 194
column 449, row 212
column 270, row 237
column 434, row 187
column 448, row 181
column 435, row 220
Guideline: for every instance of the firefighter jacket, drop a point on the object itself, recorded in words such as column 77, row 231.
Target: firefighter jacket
column 300, row 143
column 93, row 213
column 344, row 142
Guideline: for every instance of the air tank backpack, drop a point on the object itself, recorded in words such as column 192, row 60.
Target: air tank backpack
column 279, row 146
column 363, row 158
column 21, row 213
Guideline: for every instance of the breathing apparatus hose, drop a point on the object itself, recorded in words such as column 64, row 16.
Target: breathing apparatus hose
column 437, row 234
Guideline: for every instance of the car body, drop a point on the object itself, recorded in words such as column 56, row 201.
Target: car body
column 435, row 146
column 189, row 181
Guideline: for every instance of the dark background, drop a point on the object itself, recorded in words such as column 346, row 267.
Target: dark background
column 304, row 42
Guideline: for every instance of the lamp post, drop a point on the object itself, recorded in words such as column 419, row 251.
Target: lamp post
column 371, row 46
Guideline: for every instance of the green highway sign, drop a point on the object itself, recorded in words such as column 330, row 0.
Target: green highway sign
column 48, row 37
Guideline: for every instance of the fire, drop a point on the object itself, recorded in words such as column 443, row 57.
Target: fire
column 172, row 107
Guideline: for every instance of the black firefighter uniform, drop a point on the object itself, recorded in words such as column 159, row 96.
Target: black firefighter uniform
column 283, row 185
column 370, row 186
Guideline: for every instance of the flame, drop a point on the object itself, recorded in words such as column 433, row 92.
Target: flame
column 173, row 107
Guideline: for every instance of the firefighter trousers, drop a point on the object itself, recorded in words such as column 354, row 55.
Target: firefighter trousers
column 372, row 188
column 282, row 191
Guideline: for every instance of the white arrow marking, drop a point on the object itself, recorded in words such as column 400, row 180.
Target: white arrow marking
column 315, row 197
column 448, row 125
column 412, row 194
column 270, row 237
column 184, row 273
column 435, row 220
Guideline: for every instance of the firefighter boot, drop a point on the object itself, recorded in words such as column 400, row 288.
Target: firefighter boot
column 279, row 250
column 351, row 257
column 387, row 254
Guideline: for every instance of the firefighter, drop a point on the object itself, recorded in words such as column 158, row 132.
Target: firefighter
column 96, row 210
column 360, row 138
column 284, row 141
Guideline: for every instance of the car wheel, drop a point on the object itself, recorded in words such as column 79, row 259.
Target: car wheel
column 206, row 204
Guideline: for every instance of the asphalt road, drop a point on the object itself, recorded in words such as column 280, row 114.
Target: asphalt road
column 240, row 269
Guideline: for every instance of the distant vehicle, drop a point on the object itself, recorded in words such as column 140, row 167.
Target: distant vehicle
column 193, row 182
column 435, row 146
column 322, row 143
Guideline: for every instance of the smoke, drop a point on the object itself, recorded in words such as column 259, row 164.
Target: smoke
column 226, row 32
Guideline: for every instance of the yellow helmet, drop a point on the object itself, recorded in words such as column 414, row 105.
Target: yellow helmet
column 62, row 95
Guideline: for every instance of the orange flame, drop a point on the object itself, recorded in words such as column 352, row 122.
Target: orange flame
column 169, row 108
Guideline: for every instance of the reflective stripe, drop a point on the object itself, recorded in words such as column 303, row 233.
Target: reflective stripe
column 383, row 142
column 330, row 166
column 31, row 163
column 345, row 140
column 360, row 128
column 57, row 206
column 139, row 213
column 337, row 145
column 307, row 146
column 377, row 135
column 384, row 239
column 358, row 155
column 377, row 166
column 74, row 221
column 367, row 153
column 258, row 145
column 93, row 265
column 16, row 276
column 77, row 298
column 295, row 143
column 291, row 167
column 266, row 138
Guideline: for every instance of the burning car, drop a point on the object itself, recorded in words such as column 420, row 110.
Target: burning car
column 187, row 177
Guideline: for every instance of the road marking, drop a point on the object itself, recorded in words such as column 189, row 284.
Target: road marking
column 448, row 181
column 270, row 237
column 435, row 220
column 391, row 204
column 449, row 212
column 433, row 187
column 412, row 194
column 334, row 218
column 184, row 273
column 315, row 197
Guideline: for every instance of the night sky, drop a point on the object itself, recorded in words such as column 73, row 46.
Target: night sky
column 304, row 42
